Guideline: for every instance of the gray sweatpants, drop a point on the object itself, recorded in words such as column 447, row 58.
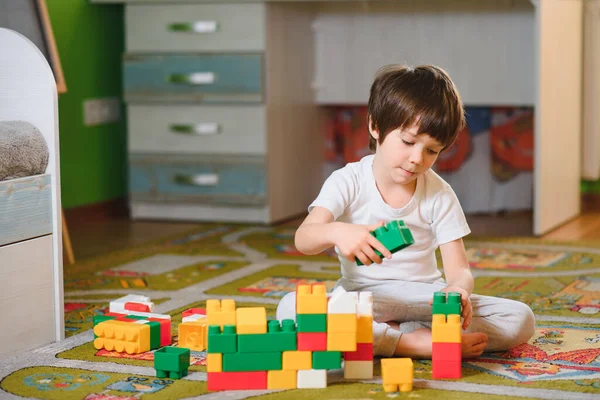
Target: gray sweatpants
column 507, row 323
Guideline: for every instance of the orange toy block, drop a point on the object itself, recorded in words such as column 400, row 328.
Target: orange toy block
column 341, row 341
column 251, row 320
column 282, row 379
column 296, row 360
column 397, row 374
column 445, row 331
column 214, row 362
column 343, row 323
column 311, row 299
column 364, row 329
column 123, row 337
column 220, row 312
column 193, row 335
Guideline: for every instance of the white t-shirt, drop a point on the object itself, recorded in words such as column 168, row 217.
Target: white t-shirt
column 433, row 215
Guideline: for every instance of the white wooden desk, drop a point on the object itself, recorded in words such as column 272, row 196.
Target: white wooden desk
column 499, row 52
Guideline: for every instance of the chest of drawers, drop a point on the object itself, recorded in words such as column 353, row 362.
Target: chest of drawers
column 222, row 125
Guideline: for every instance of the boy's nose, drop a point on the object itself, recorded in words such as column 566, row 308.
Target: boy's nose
column 416, row 157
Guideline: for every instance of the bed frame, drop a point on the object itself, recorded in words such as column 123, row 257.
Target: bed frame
column 31, row 284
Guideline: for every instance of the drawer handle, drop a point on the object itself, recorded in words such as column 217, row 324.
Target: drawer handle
column 195, row 78
column 194, row 27
column 197, row 180
column 205, row 128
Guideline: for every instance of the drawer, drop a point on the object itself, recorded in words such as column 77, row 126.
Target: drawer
column 210, row 78
column 25, row 208
column 195, row 27
column 209, row 179
column 196, row 129
column 28, row 283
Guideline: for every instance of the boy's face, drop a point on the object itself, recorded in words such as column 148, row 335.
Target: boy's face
column 405, row 155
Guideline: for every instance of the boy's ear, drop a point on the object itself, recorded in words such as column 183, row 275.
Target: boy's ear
column 373, row 129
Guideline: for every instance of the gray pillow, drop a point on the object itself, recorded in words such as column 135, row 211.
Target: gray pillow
column 23, row 150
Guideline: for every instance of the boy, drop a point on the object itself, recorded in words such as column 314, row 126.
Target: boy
column 413, row 114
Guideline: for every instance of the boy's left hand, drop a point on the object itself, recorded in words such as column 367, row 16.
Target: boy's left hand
column 466, row 306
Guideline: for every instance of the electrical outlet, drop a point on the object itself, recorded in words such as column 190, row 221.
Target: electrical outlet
column 101, row 111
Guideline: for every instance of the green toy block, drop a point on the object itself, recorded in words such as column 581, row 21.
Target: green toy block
column 278, row 338
column 326, row 360
column 135, row 317
column 154, row 334
column 222, row 342
column 394, row 236
column 446, row 307
column 171, row 362
column 267, row 361
column 312, row 322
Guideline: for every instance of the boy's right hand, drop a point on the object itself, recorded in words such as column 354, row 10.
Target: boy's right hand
column 356, row 241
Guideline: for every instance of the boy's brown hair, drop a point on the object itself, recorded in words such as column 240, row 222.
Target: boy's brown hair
column 402, row 96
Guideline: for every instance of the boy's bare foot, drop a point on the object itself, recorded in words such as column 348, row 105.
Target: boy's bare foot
column 417, row 344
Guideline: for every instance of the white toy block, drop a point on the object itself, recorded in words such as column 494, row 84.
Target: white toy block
column 342, row 302
column 365, row 304
column 193, row 317
column 358, row 369
column 312, row 379
column 118, row 305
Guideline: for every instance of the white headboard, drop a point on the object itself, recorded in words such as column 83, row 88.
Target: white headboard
column 28, row 93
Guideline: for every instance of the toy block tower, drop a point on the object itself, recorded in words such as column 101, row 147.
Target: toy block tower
column 311, row 316
column 394, row 236
column 446, row 336
column 342, row 324
column 359, row 364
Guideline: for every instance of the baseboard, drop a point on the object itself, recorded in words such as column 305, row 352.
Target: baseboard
column 590, row 202
column 102, row 211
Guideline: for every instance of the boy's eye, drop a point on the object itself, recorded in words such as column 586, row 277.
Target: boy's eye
column 432, row 151
column 407, row 143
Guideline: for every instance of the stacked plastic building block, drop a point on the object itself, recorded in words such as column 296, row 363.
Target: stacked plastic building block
column 247, row 352
column 125, row 329
column 394, row 236
column 446, row 336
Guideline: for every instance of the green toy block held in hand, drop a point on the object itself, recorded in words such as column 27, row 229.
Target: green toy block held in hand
column 394, row 235
column 442, row 306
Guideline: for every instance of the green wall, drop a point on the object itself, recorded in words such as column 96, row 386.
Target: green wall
column 90, row 43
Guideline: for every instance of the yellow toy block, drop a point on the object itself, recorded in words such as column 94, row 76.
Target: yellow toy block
column 297, row 360
column 341, row 341
column 220, row 312
column 285, row 379
column 123, row 337
column 341, row 323
column 364, row 329
column 214, row 362
column 193, row 334
column 311, row 299
column 443, row 331
column 251, row 320
column 397, row 374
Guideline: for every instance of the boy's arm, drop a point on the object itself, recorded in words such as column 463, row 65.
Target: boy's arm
column 314, row 235
column 456, row 265
column 458, row 276
column 319, row 232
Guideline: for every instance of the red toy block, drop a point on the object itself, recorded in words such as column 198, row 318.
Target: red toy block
column 446, row 352
column 364, row 352
column 446, row 370
column 137, row 307
column 312, row 341
column 193, row 311
column 237, row 380
column 114, row 314
column 165, row 330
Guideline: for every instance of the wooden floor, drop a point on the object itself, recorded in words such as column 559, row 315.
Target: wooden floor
column 99, row 236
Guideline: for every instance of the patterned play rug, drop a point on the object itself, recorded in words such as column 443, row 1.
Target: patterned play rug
column 258, row 265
